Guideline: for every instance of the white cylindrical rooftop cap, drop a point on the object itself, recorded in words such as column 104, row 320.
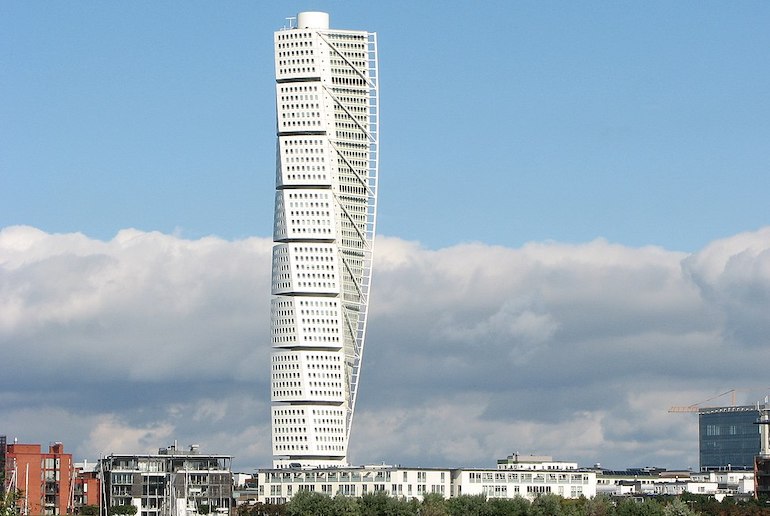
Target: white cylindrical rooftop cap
column 313, row 20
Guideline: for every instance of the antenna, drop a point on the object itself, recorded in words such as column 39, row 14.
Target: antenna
column 291, row 20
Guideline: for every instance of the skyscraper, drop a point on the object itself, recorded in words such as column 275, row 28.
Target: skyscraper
column 325, row 205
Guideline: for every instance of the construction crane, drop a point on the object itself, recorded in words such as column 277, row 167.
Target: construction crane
column 695, row 407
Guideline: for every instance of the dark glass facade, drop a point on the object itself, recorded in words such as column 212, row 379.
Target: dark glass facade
column 728, row 437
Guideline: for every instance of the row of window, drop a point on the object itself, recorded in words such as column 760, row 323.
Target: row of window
column 300, row 123
column 293, row 36
column 293, row 58
column 298, row 88
column 284, row 285
column 502, row 477
column 327, row 361
column 299, row 98
column 301, row 114
column 289, row 53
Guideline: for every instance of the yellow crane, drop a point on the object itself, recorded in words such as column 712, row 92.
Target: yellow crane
column 697, row 406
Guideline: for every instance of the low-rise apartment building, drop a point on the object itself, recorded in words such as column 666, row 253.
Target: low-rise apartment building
column 526, row 477
column 45, row 480
column 170, row 483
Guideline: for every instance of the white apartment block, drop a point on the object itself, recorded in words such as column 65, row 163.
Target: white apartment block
column 532, row 479
column 279, row 485
column 530, row 484
column 534, row 462
column 654, row 482
column 325, row 209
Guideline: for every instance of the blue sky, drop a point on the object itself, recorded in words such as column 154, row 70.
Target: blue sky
column 573, row 226
column 502, row 122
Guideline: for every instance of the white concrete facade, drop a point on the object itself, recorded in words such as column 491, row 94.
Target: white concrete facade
column 325, row 214
column 534, row 462
column 279, row 485
column 525, row 484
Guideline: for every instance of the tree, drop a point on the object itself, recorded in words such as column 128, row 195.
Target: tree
column 599, row 505
column 345, row 506
column 89, row 510
column 123, row 510
column 677, row 507
column 373, row 504
column 310, row 503
column 380, row 504
column 546, row 505
column 631, row 507
column 467, row 505
column 261, row 509
column 508, row 506
column 433, row 504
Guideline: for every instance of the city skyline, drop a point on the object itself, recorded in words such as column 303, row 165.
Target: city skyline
column 574, row 232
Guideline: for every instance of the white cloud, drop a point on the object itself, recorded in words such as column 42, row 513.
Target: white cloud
column 114, row 436
column 474, row 351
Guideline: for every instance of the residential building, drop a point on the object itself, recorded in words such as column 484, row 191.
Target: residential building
column 45, row 479
column 728, row 437
column 534, row 462
column 729, row 483
column 529, row 484
column 325, row 208
column 170, row 483
column 279, row 485
column 646, row 481
column 532, row 476
column 87, row 486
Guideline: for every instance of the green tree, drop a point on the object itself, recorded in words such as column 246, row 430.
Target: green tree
column 508, row 506
column 261, row 509
column 89, row 510
column 123, row 510
column 677, row 507
column 631, row 507
column 345, row 506
column 373, row 504
column 310, row 503
column 599, row 505
column 467, row 505
column 433, row 504
column 9, row 502
column 380, row 504
column 546, row 505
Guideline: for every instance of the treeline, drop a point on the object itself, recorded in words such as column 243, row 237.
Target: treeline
column 308, row 503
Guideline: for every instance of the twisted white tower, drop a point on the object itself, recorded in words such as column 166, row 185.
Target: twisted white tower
column 325, row 206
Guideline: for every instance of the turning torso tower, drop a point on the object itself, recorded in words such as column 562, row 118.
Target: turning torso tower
column 325, row 204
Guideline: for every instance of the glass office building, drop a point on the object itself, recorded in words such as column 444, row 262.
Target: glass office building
column 728, row 438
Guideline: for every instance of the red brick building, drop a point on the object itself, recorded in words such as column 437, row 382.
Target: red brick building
column 45, row 479
column 87, row 487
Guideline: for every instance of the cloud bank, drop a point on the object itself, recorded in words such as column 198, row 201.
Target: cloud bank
column 474, row 351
